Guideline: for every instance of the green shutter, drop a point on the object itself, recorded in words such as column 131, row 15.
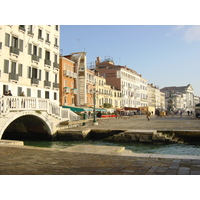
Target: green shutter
column 40, row 74
column 40, row 52
column 20, row 69
column 21, row 45
column 6, row 66
column 29, row 72
column 7, row 40
column 29, row 48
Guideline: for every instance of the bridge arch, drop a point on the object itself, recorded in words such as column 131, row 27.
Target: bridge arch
column 27, row 124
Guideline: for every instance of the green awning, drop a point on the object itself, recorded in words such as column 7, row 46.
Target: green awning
column 100, row 109
column 77, row 109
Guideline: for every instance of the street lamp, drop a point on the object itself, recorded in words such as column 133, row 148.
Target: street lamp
column 94, row 93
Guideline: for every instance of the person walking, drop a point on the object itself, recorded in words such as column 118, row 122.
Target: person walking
column 148, row 114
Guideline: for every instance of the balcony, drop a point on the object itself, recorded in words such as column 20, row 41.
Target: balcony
column 14, row 50
column 66, row 90
column 56, row 85
column 75, row 91
column 66, row 72
column 30, row 33
column 40, row 38
column 47, row 83
column 47, row 62
column 13, row 77
column 35, row 58
column 48, row 42
column 55, row 65
column 22, row 28
column 35, row 81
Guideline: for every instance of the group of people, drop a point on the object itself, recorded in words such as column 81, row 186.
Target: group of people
column 8, row 93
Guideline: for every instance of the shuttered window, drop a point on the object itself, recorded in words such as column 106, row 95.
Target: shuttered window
column 21, row 45
column 13, row 67
column 29, row 72
column 28, row 92
column 20, row 69
column 7, row 40
column 6, row 66
column 40, row 52
column 29, row 48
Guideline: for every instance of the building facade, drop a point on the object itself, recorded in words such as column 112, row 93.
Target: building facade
column 182, row 97
column 29, row 60
column 132, row 86
column 68, row 77
column 156, row 98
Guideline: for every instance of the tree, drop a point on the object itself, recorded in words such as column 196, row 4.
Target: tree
column 107, row 105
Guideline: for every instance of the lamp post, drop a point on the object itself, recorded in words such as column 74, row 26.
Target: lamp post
column 94, row 109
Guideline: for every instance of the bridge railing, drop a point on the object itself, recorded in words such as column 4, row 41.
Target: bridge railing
column 11, row 103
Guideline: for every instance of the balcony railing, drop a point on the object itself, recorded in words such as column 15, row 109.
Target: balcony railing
column 47, row 83
column 14, row 50
column 55, row 65
column 35, row 81
column 13, row 76
column 22, row 28
column 30, row 33
column 40, row 38
column 35, row 58
column 47, row 62
column 55, row 85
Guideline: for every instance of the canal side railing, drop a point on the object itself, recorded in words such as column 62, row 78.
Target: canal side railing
column 12, row 103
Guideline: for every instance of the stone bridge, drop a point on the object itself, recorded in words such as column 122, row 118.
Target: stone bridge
column 28, row 117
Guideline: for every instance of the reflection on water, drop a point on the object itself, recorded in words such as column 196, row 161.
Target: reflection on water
column 174, row 149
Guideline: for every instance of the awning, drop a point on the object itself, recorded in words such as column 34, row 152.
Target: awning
column 78, row 109
column 130, row 108
column 101, row 109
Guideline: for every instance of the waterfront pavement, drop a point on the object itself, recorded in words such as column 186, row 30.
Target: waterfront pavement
column 88, row 160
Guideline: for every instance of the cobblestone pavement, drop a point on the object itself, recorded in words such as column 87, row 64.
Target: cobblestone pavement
column 23, row 160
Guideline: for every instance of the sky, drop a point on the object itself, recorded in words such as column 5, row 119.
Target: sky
column 165, row 55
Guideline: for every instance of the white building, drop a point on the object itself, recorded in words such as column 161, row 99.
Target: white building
column 182, row 97
column 29, row 60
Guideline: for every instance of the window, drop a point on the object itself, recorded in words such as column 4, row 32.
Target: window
column 29, row 49
column 34, row 73
column 55, row 96
column 46, row 95
column 7, row 40
column 20, row 69
column 0, row 45
column 39, row 93
column 40, row 52
column 47, row 38
column 47, row 55
column 15, row 42
column 22, row 27
column 56, row 27
column 35, row 50
column 47, row 76
column 30, row 29
column 40, row 34
column 5, row 88
column 6, row 66
column 19, row 90
column 28, row 92
column 21, row 45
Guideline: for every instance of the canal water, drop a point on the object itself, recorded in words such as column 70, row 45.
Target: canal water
column 173, row 149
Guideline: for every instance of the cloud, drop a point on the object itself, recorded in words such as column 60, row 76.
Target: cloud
column 187, row 32
column 192, row 34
